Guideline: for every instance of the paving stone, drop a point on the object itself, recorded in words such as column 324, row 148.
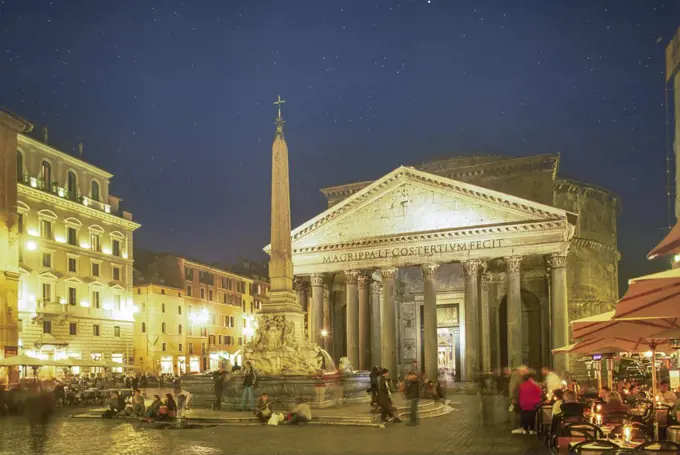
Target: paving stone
column 461, row 431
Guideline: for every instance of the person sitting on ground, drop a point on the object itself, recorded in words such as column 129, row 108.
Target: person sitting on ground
column 154, row 409
column 171, row 405
column 300, row 414
column 136, row 407
column 571, row 407
column 262, row 410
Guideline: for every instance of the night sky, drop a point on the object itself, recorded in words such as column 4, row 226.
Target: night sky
column 175, row 98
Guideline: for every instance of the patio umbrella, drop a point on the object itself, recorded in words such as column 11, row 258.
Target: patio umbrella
column 24, row 360
column 651, row 296
column 603, row 346
column 633, row 335
column 669, row 245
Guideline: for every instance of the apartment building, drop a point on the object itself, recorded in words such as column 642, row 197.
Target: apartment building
column 219, row 307
column 75, row 258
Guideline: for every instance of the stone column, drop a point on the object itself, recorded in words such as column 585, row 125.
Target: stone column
column 375, row 323
column 430, row 320
column 301, row 291
column 514, row 309
column 559, row 309
column 317, row 323
column 388, row 323
column 485, row 320
column 364, row 323
column 351, row 279
column 10, row 126
column 471, row 270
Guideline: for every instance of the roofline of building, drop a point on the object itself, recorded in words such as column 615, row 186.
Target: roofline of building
column 65, row 156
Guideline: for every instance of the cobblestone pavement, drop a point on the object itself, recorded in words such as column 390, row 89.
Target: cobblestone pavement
column 462, row 431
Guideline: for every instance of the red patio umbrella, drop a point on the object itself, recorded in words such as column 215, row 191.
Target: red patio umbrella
column 651, row 296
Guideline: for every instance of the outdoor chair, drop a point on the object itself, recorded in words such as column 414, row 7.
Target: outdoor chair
column 543, row 420
column 594, row 447
column 659, row 447
column 557, row 429
column 584, row 429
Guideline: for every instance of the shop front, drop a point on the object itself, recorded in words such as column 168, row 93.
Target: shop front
column 166, row 365
column 181, row 365
column 195, row 364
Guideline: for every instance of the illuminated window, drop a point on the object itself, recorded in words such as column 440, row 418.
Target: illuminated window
column 46, row 229
column 46, row 175
column 95, row 242
column 115, row 247
column 94, row 190
column 72, row 234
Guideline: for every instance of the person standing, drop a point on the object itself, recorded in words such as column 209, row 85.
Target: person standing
column 413, row 393
column 249, row 380
column 529, row 397
column 551, row 380
column 513, row 393
column 384, row 399
column 218, row 385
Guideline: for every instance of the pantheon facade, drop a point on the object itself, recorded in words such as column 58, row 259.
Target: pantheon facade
column 462, row 265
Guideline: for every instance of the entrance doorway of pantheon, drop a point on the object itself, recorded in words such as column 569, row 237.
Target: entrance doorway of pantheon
column 532, row 329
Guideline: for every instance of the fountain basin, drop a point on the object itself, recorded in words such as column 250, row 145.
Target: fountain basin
column 318, row 391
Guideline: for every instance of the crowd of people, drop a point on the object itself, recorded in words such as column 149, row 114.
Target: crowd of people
column 569, row 399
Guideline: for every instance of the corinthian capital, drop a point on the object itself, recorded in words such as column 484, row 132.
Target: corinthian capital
column 388, row 273
column 299, row 284
column 375, row 287
column 512, row 264
column 429, row 270
column 364, row 281
column 485, row 280
column 471, row 268
column 317, row 279
column 352, row 276
column 557, row 260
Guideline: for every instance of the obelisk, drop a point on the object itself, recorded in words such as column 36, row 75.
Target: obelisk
column 282, row 298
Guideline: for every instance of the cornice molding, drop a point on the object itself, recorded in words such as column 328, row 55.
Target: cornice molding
column 56, row 201
column 457, row 234
column 594, row 244
column 574, row 186
column 501, row 200
column 24, row 140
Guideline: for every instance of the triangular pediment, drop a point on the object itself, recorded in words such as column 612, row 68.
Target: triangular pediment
column 408, row 201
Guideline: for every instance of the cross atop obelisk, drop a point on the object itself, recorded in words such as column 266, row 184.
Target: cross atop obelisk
column 282, row 296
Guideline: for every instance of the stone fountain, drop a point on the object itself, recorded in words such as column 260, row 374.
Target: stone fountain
column 287, row 363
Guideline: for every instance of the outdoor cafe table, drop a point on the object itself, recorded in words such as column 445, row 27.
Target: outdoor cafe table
column 566, row 443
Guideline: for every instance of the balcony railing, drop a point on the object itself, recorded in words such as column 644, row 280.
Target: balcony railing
column 64, row 193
